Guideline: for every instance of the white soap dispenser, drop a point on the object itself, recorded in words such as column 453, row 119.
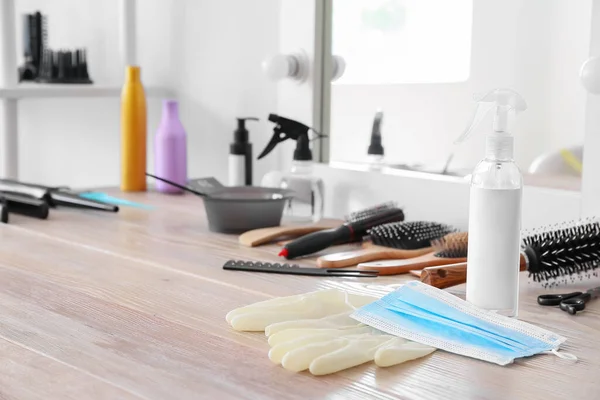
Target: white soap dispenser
column 495, row 209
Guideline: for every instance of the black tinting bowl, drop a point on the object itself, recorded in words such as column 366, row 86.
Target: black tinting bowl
column 239, row 209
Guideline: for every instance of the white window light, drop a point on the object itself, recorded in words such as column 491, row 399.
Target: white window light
column 403, row 41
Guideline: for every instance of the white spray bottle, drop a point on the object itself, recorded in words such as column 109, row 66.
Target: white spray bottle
column 495, row 209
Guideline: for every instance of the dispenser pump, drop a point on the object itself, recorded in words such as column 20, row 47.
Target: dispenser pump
column 240, row 155
column 241, row 133
column 506, row 104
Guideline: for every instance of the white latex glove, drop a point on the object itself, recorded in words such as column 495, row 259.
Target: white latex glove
column 400, row 350
column 322, row 303
column 335, row 346
column 336, row 321
column 314, row 331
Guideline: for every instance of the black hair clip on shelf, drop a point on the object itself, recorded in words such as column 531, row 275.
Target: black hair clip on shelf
column 44, row 65
column 64, row 67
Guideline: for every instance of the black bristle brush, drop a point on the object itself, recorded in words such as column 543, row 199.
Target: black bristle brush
column 568, row 252
column 354, row 229
column 552, row 256
column 396, row 240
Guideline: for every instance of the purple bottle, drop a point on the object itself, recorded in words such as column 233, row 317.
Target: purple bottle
column 170, row 149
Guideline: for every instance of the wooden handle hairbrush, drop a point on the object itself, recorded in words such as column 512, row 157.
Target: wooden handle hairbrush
column 396, row 267
column 369, row 253
column 451, row 275
column 257, row 237
column 450, row 249
column 564, row 252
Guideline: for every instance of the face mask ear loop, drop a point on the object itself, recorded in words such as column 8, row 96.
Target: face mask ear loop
column 564, row 355
column 347, row 301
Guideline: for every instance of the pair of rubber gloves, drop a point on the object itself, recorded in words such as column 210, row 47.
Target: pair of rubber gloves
column 314, row 332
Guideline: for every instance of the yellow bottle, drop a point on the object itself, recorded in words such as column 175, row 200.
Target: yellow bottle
column 133, row 132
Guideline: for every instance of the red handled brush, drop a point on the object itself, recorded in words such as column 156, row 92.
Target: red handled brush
column 350, row 231
column 396, row 240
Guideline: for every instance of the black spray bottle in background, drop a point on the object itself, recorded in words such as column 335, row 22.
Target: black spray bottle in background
column 307, row 203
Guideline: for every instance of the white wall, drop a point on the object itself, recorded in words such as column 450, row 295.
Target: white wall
column 533, row 46
column 208, row 51
column 350, row 190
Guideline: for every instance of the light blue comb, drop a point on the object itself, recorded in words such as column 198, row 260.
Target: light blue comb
column 104, row 198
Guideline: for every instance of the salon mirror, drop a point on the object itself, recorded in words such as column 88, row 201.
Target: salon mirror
column 420, row 63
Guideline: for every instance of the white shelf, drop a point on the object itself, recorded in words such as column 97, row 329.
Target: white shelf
column 34, row 91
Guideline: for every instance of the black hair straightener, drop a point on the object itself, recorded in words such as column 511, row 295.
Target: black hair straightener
column 52, row 196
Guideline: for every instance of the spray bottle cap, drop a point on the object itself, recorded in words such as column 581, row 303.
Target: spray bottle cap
column 506, row 104
column 240, row 135
column 286, row 128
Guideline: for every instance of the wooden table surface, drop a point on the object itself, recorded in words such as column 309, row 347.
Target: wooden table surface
column 132, row 306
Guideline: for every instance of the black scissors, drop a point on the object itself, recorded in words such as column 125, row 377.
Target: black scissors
column 569, row 302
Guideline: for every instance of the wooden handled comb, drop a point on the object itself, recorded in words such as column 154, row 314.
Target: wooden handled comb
column 257, row 237
column 396, row 267
column 369, row 253
column 451, row 249
column 451, row 275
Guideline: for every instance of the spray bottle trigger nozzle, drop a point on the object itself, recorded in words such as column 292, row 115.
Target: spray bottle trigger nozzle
column 479, row 114
column 504, row 101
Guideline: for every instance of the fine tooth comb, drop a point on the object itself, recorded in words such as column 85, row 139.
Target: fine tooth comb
column 552, row 257
column 450, row 249
column 294, row 269
column 357, row 227
column 396, row 240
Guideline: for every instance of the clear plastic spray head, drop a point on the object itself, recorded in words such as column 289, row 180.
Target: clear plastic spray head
column 506, row 104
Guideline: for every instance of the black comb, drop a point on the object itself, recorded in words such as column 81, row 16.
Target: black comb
column 295, row 269
column 357, row 226
column 408, row 235
column 569, row 252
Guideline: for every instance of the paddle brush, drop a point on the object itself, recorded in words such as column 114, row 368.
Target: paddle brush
column 396, row 240
column 357, row 227
column 450, row 249
column 551, row 256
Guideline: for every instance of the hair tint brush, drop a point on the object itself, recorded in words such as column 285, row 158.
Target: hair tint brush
column 358, row 226
column 451, row 249
column 396, row 240
column 551, row 257
column 257, row 237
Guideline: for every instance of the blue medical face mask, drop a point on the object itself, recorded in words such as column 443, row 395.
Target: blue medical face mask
column 431, row 316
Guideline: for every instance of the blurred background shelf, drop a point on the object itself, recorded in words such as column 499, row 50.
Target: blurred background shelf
column 32, row 90
column 11, row 92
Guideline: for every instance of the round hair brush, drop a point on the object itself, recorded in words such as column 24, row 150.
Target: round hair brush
column 550, row 256
column 390, row 241
column 450, row 249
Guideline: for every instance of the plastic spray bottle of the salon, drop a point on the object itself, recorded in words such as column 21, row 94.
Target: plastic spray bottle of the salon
column 307, row 203
column 495, row 209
